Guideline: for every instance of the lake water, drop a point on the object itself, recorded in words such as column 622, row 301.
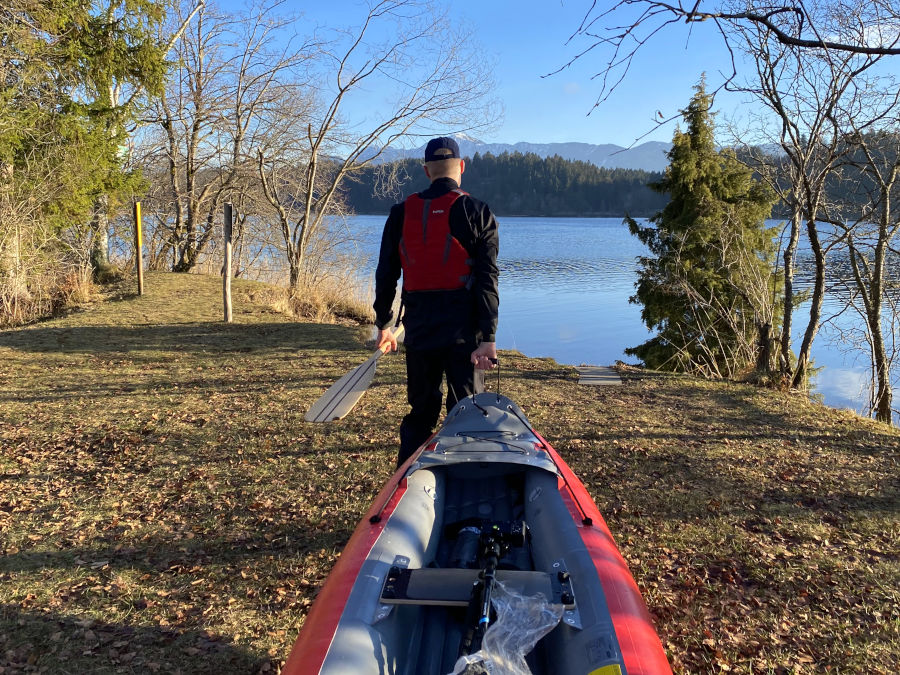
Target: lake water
column 564, row 289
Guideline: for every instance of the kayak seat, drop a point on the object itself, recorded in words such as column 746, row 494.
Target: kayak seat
column 453, row 587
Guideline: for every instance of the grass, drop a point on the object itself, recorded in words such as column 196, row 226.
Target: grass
column 164, row 507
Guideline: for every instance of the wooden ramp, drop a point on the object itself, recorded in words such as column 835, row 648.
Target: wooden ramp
column 598, row 376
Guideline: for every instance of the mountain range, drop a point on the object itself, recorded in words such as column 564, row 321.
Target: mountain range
column 650, row 156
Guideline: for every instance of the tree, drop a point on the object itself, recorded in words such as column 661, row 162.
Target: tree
column 821, row 102
column 871, row 234
column 805, row 91
column 567, row 188
column 426, row 68
column 72, row 73
column 817, row 68
column 841, row 27
column 230, row 72
column 55, row 154
column 708, row 289
column 256, row 114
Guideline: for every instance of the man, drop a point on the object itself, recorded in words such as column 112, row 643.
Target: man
column 446, row 242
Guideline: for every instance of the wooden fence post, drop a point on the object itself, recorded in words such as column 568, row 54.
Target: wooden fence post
column 226, row 267
column 139, row 248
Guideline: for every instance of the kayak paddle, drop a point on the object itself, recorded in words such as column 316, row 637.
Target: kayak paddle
column 343, row 395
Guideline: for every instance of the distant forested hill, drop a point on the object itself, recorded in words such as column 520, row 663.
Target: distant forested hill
column 516, row 184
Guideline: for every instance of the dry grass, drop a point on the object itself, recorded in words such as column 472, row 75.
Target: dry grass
column 50, row 290
column 324, row 303
column 165, row 508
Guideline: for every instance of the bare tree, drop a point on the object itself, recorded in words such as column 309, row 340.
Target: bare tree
column 229, row 70
column 870, row 229
column 810, row 62
column 803, row 92
column 620, row 29
column 116, row 84
column 433, row 81
column 276, row 124
column 826, row 104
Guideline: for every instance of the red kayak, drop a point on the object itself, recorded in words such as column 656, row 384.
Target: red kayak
column 484, row 553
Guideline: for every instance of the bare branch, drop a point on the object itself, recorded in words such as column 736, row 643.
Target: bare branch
column 623, row 28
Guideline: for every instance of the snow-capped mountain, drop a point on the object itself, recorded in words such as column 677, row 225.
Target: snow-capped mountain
column 650, row 156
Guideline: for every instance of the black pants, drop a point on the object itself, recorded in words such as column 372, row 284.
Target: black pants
column 425, row 369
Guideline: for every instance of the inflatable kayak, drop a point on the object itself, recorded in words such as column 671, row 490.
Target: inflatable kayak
column 484, row 553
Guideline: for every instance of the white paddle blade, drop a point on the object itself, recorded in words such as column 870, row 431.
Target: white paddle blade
column 344, row 394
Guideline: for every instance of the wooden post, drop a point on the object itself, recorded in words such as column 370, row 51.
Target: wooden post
column 139, row 248
column 226, row 267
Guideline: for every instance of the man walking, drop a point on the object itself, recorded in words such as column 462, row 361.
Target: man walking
column 445, row 241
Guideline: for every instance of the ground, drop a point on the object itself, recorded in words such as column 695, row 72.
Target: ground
column 164, row 507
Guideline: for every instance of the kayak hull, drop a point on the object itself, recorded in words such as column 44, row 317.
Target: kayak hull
column 486, row 464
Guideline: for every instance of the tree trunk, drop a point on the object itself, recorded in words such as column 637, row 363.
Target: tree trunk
column 801, row 374
column 13, row 285
column 187, row 258
column 789, row 254
column 880, row 362
column 100, row 240
column 294, row 280
column 883, row 394
column 764, row 353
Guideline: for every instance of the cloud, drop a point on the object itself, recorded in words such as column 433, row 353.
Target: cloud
column 843, row 386
column 571, row 88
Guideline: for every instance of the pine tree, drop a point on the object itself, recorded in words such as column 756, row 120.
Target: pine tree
column 708, row 288
column 69, row 72
column 68, row 69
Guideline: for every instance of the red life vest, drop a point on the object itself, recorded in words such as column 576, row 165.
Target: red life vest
column 431, row 257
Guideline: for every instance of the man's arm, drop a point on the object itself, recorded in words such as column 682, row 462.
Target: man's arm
column 485, row 272
column 485, row 285
column 388, row 271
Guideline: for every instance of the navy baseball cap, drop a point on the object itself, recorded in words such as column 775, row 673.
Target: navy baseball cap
column 441, row 148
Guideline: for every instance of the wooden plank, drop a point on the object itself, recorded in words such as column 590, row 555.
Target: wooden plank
column 598, row 376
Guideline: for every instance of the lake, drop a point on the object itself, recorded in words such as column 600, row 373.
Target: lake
column 564, row 289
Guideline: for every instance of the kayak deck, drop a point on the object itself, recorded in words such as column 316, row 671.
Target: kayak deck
column 409, row 562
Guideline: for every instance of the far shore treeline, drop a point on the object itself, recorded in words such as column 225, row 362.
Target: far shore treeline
column 525, row 184
column 517, row 184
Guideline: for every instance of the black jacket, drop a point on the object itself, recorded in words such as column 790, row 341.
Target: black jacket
column 441, row 318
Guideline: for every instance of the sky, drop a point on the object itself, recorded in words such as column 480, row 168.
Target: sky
column 527, row 41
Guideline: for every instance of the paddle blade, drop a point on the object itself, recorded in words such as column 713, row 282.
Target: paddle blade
column 343, row 395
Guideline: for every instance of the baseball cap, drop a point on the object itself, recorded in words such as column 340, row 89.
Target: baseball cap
column 441, row 148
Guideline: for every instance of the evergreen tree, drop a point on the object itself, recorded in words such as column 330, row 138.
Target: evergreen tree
column 68, row 74
column 708, row 288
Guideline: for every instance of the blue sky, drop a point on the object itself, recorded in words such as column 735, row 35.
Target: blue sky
column 529, row 41
column 526, row 39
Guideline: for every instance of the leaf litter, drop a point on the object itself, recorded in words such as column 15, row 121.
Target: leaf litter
column 164, row 507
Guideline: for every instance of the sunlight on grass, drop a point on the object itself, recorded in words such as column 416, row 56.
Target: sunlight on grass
column 164, row 507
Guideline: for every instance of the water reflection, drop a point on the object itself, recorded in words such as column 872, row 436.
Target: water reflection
column 564, row 290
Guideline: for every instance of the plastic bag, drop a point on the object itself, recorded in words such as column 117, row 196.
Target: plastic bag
column 522, row 620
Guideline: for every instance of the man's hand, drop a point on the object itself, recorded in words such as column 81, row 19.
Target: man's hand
column 386, row 340
column 485, row 356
